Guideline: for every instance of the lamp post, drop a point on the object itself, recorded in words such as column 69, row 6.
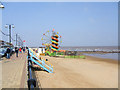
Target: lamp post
column 16, row 39
column 1, row 5
column 9, row 26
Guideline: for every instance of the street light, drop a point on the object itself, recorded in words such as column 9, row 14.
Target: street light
column 1, row 5
column 6, row 26
column 9, row 26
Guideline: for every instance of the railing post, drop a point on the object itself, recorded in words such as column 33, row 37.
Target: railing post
column 28, row 54
column 31, row 81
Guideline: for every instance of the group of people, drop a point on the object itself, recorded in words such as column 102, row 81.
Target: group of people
column 17, row 50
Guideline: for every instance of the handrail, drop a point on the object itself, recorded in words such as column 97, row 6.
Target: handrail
column 31, row 81
column 41, row 58
column 40, row 62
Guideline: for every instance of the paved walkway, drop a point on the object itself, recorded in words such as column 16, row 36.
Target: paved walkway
column 14, row 72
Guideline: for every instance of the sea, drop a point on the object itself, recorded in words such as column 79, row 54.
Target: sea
column 111, row 55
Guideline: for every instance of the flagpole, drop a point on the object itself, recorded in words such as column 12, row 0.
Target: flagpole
column 24, row 43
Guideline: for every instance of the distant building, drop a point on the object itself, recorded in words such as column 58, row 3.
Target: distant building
column 3, row 43
column 41, row 50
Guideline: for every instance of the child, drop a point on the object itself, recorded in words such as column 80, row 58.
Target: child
column 20, row 50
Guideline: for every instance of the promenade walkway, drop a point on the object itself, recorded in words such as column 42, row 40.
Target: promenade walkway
column 14, row 71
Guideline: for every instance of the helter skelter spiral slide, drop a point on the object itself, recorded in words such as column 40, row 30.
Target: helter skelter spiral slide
column 52, row 41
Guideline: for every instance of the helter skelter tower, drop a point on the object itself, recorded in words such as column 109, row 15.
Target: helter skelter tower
column 52, row 40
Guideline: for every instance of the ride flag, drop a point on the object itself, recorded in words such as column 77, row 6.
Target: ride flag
column 23, row 40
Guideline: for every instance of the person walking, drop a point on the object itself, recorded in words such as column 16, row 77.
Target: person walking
column 8, row 53
column 20, row 50
column 24, row 49
column 16, row 51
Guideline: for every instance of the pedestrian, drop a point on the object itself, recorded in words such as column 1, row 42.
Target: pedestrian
column 20, row 50
column 16, row 51
column 36, row 51
column 24, row 49
column 8, row 52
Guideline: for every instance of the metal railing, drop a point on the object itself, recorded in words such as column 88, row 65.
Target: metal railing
column 42, row 63
column 31, row 81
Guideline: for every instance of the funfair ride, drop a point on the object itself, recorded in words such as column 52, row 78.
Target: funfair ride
column 52, row 41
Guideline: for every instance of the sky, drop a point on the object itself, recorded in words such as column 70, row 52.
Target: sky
column 60, row 0
column 79, row 23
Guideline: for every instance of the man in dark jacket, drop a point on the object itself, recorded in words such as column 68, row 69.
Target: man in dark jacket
column 8, row 52
column 24, row 49
column 16, row 51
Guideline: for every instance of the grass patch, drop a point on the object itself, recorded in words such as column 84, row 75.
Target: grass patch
column 82, row 57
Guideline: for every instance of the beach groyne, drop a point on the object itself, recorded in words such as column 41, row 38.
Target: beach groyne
column 69, row 52
column 103, row 49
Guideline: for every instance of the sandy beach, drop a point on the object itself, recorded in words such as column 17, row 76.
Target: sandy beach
column 79, row 73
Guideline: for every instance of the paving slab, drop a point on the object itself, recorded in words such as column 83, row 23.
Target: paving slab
column 14, row 71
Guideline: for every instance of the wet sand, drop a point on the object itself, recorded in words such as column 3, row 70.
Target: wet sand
column 79, row 73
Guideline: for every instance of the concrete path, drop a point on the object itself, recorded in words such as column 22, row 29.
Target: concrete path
column 14, row 72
